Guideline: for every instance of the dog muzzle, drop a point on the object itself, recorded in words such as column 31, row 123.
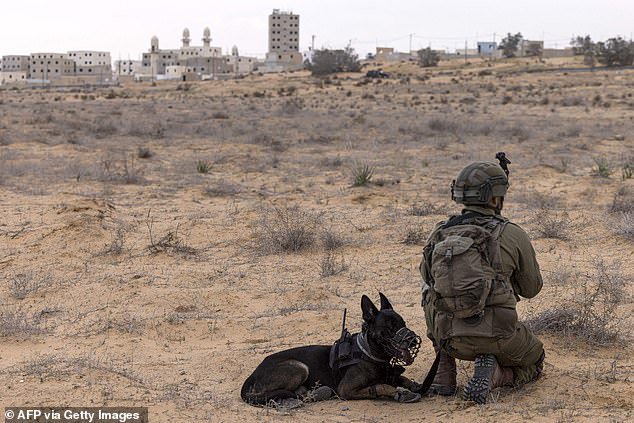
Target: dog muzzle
column 402, row 347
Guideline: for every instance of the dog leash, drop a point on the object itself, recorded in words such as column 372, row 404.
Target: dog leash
column 429, row 379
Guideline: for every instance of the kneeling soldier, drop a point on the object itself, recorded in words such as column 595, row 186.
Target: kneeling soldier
column 476, row 266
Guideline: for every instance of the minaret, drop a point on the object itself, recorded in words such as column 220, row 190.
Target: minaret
column 234, row 51
column 186, row 38
column 207, row 37
column 154, row 44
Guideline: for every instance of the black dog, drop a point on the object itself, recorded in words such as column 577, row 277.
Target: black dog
column 361, row 366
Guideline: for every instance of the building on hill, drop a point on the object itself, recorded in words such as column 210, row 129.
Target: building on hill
column 530, row 48
column 50, row 66
column 204, row 61
column 92, row 66
column 283, row 54
column 72, row 68
column 127, row 68
column 489, row 49
column 14, row 69
column 16, row 63
column 240, row 65
column 389, row 54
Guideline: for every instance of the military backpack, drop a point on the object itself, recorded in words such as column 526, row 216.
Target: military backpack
column 464, row 258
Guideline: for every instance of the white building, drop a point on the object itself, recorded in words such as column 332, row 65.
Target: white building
column 94, row 64
column 14, row 69
column 240, row 65
column 488, row 49
column 127, row 67
column 202, row 60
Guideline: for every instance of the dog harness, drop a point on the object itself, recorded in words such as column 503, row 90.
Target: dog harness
column 353, row 349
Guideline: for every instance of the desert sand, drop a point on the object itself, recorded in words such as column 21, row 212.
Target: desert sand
column 135, row 240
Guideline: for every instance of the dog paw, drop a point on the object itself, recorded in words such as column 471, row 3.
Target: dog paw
column 406, row 396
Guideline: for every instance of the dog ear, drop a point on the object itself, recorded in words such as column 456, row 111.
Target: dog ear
column 368, row 309
column 385, row 303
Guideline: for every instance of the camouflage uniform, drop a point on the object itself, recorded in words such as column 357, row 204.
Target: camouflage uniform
column 515, row 347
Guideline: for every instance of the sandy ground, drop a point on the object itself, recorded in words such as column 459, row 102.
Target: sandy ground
column 140, row 281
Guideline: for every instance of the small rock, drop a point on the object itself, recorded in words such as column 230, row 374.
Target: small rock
column 619, row 137
column 345, row 408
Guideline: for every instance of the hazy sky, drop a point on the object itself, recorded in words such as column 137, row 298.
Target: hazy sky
column 124, row 27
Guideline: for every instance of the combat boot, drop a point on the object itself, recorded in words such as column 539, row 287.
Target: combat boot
column 488, row 375
column 445, row 380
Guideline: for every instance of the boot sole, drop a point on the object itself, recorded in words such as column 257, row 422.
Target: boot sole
column 479, row 387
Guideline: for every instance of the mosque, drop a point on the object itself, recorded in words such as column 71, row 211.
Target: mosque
column 193, row 62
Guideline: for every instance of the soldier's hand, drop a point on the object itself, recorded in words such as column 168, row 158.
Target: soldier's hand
column 405, row 395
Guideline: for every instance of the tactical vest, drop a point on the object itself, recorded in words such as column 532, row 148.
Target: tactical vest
column 470, row 291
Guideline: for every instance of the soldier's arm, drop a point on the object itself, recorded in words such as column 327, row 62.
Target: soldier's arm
column 526, row 278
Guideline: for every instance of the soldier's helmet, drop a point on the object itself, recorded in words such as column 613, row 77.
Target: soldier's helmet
column 478, row 183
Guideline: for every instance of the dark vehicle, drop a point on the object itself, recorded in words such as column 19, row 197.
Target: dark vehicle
column 377, row 74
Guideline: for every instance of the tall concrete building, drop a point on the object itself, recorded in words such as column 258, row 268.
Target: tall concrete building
column 50, row 66
column 283, row 51
column 15, row 63
column 283, row 32
column 14, row 69
column 92, row 66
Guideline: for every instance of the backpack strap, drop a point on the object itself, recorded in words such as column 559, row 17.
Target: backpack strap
column 460, row 219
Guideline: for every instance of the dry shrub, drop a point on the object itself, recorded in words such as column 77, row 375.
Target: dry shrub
column 121, row 171
column 624, row 225
column 331, row 240
column 170, row 243
column 23, row 284
column 115, row 247
column 144, row 153
column 331, row 162
column 536, row 199
column 414, row 236
column 15, row 322
column 219, row 115
column 292, row 105
column 552, row 224
column 330, row 266
column 425, row 209
column 572, row 101
column 623, row 201
column 222, row 188
column 590, row 310
column 287, row 229
column 442, row 125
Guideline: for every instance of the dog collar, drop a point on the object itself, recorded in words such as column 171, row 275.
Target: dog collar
column 362, row 342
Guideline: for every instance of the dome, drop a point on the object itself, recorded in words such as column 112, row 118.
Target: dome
column 186, row 33
column 154, row 40
column 207, row 32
